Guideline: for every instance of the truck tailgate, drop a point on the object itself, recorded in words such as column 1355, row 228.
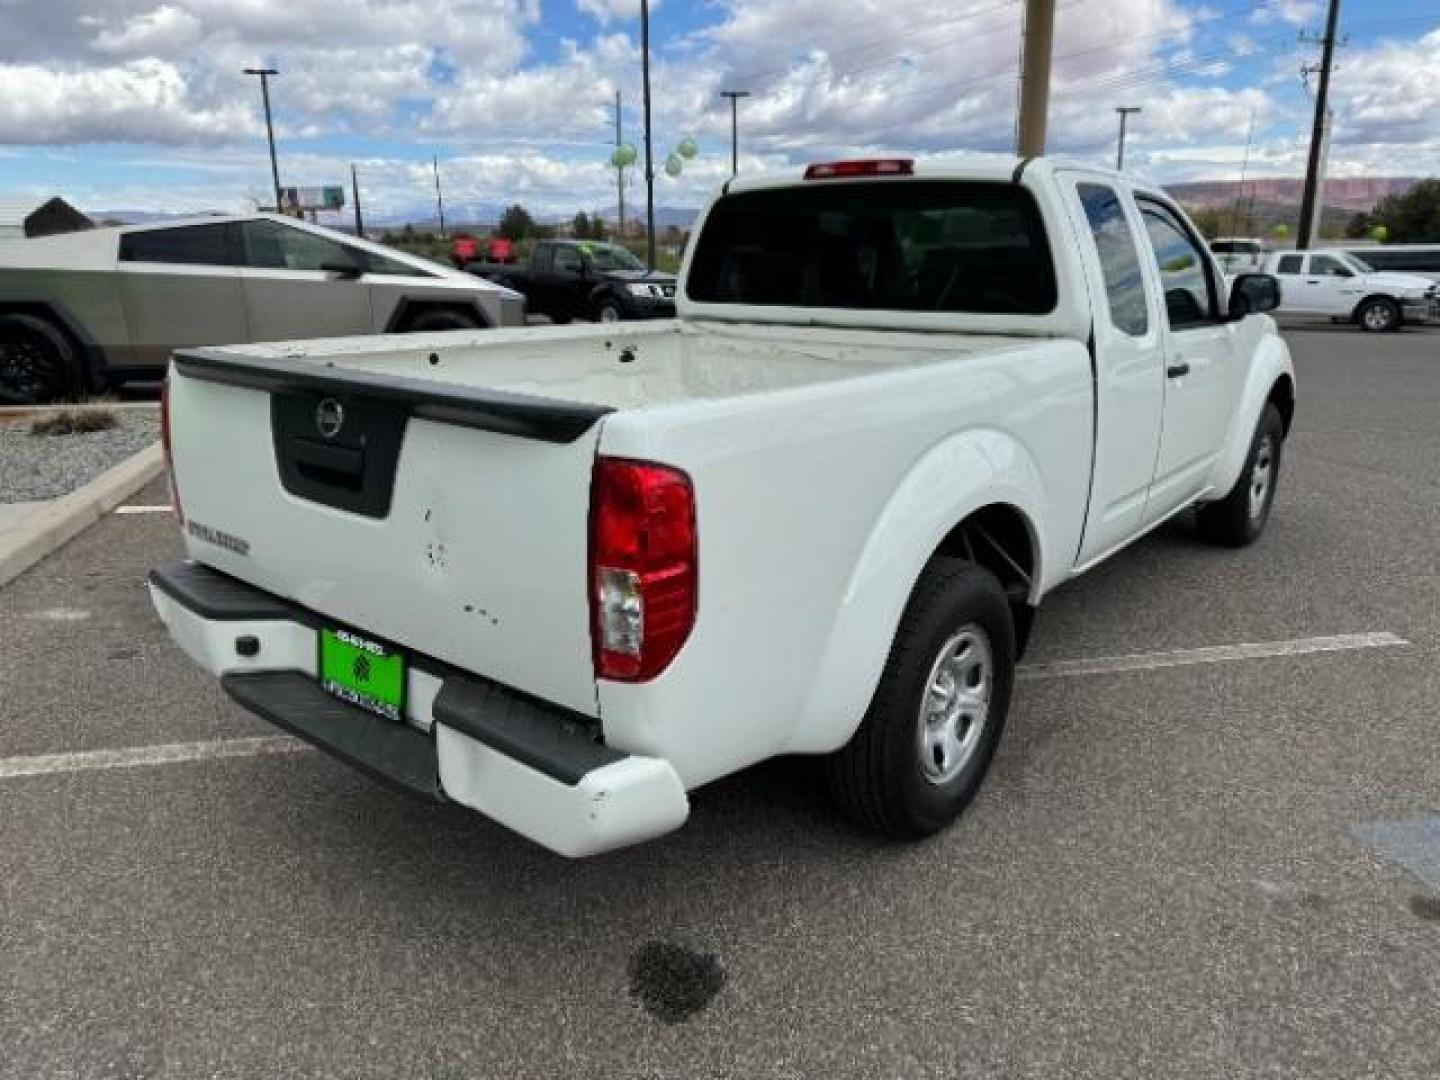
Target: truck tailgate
column 447, row 521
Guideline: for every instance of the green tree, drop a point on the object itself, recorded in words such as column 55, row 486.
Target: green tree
column 580, row 227
column 516, row 223
column 1358, row 225
column 1412, row 218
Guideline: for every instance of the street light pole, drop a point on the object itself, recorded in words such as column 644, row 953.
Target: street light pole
column 265, row 74
column 649, row 166
column 734, row 96
column 355, row 194
column 439, row 199
column 1124, row 111
column 619, row 169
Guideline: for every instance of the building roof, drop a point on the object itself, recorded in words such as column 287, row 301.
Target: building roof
column 16, row 211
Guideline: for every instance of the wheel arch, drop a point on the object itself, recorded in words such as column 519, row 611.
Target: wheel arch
column 992, row 513
column 408, row 307
column 1271, row 379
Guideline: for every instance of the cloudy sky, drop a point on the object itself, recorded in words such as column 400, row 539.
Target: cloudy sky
column 141, row 104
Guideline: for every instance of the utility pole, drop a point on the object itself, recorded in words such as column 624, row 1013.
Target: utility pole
column 734, row 96
column 1317, row 211
column 1244, row 172
column 1317, row 131
column 619, row 169
column 355, row 197
column 1039, row 37
column 649, row 166
column 265, row 74
column 439, row 199
column 1124, row 111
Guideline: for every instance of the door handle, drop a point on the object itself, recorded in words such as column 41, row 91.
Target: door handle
column 1177, row 371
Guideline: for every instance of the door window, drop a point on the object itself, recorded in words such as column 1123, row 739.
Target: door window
column 543, row 259
column 189, row 245
column 1189, row 300
column 567, row 260
column 1290, row 264
column 1119, row 258
column 270, row 245
column 1328, row 266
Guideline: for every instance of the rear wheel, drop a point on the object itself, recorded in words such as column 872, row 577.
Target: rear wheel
column 429, row 321
column 927, row 740
column 1240, row 517
column 37, row 361
column 1378, row 315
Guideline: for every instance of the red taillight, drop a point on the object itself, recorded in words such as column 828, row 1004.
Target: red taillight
column 165, row 445
column 643, row 570
column 840, row 170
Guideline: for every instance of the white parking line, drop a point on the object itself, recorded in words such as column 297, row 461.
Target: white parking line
column 172, row 753
column 168, row 754
column 1211, row 654
column 142, row 509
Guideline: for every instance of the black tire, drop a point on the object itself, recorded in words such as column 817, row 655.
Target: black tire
column 444, row 319
column 1238, row 519
column 608, row 309
column 1378, row 315
column 881, row 778
column 37, row 361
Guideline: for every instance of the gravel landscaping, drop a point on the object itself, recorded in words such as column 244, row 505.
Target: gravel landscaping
column 48, row 466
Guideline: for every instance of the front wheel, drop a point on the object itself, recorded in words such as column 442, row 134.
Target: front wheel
column 1240, row 517
column 609, row 311
column 1378, row 315
column 926, row 742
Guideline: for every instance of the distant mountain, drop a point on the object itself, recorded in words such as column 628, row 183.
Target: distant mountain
column 1341, row 193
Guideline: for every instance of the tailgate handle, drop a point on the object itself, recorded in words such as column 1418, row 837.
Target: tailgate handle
column 336, row 466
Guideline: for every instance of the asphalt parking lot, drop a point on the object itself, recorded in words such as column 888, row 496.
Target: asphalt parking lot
column 1177, row 868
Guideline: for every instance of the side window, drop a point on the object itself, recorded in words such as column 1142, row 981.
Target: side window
column 1225, row 247
column 382, row 264
column 1290, row 264
column 1119, row 258
column 1329, row 266
column 270, row 245
column 567, row 260
column 1182, row 269
column 544, row 258
column 189, row 245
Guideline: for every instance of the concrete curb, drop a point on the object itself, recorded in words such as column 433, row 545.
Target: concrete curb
column 52, row 526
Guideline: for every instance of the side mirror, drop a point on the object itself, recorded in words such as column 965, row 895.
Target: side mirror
column 1253, row 294
column 344, row 269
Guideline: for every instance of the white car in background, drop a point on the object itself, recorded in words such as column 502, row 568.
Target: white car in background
column 81, row 311
column 1337, row 284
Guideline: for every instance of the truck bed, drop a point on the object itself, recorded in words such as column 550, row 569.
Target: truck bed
column 654, row 364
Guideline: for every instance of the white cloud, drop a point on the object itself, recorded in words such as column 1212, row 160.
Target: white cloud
column 141, row 101
column 165, row 31
column 606, row 10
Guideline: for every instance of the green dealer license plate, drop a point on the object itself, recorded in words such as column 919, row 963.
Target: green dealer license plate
column 363, row 672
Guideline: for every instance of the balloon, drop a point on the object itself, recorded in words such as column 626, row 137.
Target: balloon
column 627, row 153
column 687, row 148
column 1379, row 234
column 673, row 165
column 1281, row 230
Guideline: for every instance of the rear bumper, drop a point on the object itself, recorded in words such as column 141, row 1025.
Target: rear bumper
column 1421, row 310
column 534, row 768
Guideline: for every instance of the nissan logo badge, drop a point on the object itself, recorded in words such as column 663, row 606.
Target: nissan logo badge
column 329, row 417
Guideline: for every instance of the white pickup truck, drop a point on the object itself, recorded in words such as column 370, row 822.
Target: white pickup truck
column 565, row 576
column 1342, row 286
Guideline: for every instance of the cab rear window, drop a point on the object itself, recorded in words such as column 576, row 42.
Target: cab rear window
column 903, row 245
